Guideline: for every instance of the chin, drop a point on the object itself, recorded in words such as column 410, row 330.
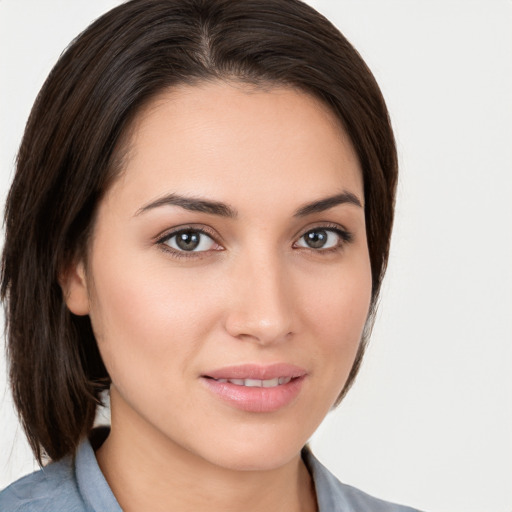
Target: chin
column 255, row 460
column 255, row 453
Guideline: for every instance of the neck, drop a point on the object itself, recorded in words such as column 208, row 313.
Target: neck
column 147, row 471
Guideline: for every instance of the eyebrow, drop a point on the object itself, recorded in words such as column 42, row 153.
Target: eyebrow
column 327, row 203
column 191, row 203
column 224, row 210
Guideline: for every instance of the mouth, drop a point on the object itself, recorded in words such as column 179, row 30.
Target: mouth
column 256, row 388
column 257, row 383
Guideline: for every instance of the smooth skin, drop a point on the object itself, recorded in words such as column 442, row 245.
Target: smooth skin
column 260, row 280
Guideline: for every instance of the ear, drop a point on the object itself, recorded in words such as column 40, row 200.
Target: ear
column 74, row 288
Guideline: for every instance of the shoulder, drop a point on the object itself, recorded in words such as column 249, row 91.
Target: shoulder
column 47, row 490
column 335, row 496
column 73, row 484
column 359, row 500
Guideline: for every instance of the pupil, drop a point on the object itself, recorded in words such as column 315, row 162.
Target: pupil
column 187, row 240
column 316, row 239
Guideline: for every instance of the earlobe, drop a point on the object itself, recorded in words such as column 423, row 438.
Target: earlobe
column 74, row 288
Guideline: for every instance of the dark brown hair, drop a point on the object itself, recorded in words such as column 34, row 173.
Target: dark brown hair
column 70, row 154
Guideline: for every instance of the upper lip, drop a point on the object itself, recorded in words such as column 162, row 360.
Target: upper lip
column 257, row 371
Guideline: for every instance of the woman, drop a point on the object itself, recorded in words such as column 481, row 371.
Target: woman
column 200, row 223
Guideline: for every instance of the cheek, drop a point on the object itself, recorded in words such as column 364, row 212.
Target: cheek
column 337, row 313
column 146, row 319
column 340, row 297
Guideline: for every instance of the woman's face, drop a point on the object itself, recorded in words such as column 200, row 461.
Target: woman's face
column 228, row 279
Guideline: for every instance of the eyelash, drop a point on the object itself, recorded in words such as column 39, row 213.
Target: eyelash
column 345, row 237
column 162, row 242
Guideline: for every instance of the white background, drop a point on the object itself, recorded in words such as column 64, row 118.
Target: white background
column 429, row 421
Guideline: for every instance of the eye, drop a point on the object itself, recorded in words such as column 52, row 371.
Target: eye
column 323, row 238
column 189, row 240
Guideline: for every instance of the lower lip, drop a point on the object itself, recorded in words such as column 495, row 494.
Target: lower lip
column 256, row 399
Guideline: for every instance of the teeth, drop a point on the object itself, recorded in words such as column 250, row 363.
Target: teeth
column 257, row 383
column 253, row 383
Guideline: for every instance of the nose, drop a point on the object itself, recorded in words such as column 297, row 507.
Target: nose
column 261, row 307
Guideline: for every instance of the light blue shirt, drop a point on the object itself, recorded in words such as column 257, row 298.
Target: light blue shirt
column 79, row 486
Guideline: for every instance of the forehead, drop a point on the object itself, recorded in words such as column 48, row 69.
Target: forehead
column 234, row 141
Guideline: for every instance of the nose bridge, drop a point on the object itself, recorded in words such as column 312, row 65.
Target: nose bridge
column 262, row 306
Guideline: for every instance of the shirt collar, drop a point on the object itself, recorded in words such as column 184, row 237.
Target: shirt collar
column 329, row 494
column 92, row 485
